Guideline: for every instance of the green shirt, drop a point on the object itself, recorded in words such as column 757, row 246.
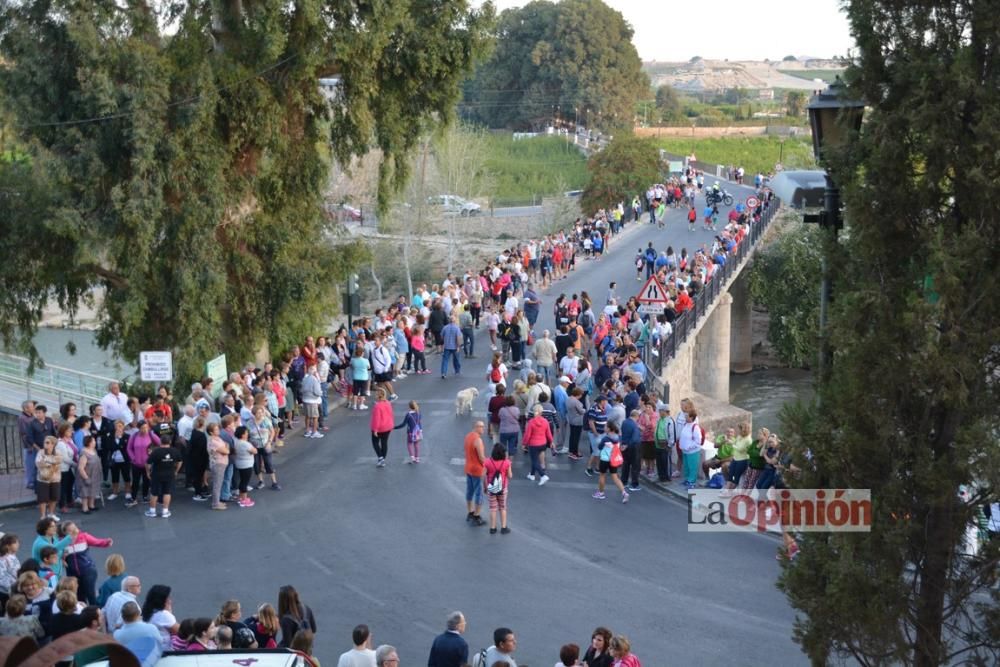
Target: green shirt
column 741, row 446
column 756, row 460
column 723, row 447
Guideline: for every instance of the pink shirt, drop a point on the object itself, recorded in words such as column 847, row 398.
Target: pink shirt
column 382, row 419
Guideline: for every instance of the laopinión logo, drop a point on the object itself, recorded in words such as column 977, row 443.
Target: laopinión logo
column 776, row 510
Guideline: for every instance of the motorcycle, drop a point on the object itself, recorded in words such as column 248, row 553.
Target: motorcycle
column 712, row 198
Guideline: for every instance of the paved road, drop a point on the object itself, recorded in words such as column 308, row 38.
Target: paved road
column 513, row 211
column 390, row 546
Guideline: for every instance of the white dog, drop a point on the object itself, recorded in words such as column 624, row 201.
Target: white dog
column 463, row 400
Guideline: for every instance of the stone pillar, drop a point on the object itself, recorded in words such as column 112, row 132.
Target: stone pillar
column 711, row 353
column 741, row 340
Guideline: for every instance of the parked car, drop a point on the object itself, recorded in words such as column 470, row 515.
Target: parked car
column 573, row 193
column 455, row 205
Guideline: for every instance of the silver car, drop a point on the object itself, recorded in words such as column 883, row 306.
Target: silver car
column 454, row 205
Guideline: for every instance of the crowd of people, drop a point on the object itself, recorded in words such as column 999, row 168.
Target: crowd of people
column 546, row 389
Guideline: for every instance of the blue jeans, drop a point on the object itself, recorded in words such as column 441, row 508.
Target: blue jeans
column 468, row 341
column 227, row 483
column 510, row 440
column 547, row 371
column 29, row 467
column 324, row 406
column 453, row 355
column 535, row 452
column 474, row 489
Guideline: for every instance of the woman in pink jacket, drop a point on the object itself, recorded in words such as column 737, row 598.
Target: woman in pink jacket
column 139, row 445
column 537, row 436
column 381, row 425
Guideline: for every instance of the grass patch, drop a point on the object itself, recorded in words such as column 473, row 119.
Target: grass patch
column 827, row 75
column 752, row 153
column 526, row 170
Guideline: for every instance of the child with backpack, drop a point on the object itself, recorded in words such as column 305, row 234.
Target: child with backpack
column 414, row 431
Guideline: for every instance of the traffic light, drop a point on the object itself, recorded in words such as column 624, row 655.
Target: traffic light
column 352, row 283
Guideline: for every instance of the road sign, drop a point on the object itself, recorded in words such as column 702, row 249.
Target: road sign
column 652, row 308
column 752, row 202
column 156, row 366
column 653, row 292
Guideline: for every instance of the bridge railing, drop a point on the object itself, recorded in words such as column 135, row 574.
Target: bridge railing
column 656, row 358
column 49, row 384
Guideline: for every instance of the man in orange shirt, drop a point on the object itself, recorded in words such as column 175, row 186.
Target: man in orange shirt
column 475, row 456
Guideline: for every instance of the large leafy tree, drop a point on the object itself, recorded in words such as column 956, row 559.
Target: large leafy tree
column 909, row 409
column 556, row 57
column 177, row 153
column 622, row 169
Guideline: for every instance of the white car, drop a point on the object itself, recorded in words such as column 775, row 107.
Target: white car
column 455, row 205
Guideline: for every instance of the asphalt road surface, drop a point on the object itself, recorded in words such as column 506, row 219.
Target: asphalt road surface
column 390, row 547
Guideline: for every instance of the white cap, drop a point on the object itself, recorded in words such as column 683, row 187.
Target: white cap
column 565, row 379
column 662, row 407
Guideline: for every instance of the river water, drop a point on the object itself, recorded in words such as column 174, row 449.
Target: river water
column 89, row 358
column 765, row 392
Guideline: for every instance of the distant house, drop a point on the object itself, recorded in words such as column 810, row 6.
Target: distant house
column 765, row 94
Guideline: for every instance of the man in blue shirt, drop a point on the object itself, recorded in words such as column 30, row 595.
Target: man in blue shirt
column 142, row 638
column 449, row 648
column 559, row 398
column 531, row 305
column 631, row 439
column 452, row 337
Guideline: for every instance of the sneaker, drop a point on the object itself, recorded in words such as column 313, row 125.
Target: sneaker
column 317, row 435
column 199, row 498
column 166, row 514
column 363, row 407
column 505, row 531
column 531, row 476
column 416, row 460
column 381, row 463
column 260, row 484
column 151, row 513
column 493, row 531
column 624, row 497
column 113, row 496
column 599, row 495
column 393, row 397
column 307, row 434
column 54, row 517
column 276, row 487
column 130, row 503
column 574, row 457
column 544, row 479
column 478, row 521
column 633, row 488
column 220, row 506
column 590, row 472
column 145, row 499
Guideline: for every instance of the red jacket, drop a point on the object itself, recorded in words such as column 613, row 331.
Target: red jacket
column 537, row 432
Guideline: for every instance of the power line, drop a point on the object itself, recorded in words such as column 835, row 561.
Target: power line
column 171, row 105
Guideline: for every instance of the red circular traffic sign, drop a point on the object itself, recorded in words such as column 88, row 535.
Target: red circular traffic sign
column 752, row 202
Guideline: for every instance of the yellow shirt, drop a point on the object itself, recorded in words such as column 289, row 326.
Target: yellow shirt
column 740, row 448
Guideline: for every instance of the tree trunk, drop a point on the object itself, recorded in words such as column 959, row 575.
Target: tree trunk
column 378, row 283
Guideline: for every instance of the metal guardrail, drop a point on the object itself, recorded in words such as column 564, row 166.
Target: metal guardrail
column 50, row 382
column 685, row 324
column 11, row 454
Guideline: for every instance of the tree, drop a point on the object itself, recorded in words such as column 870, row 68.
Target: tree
column 783, row 279
column 909, row 405
column 787, row 59
column 549, row 58
column 668, row 102
column 624, row 168
column 795, row 103
column 183, row 172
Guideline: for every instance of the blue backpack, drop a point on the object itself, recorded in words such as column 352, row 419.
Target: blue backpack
column 717, row 481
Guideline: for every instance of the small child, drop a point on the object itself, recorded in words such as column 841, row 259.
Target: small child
column 709, row 212
column 265, row 626
column 49, row 556
column 692, row 218
column 640, row 263
column 492, row 325
column 414, row 431
column 9, row 565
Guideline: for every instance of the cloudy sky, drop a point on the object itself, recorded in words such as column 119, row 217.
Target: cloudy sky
column 739, row 30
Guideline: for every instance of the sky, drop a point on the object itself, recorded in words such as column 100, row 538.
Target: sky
column 739, row 29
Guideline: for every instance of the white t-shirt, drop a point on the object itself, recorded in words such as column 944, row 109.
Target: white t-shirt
column 355, row 658
column 163, row 620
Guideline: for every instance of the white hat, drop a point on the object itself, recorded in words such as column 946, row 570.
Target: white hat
column 662, row 407
column 565, row 380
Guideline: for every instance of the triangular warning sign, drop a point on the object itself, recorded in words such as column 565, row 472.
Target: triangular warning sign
column 653, row 292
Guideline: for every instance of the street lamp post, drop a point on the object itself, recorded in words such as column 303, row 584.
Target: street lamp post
column 835, row 122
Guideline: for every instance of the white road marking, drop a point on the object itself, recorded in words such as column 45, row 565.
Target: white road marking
column 319, row 566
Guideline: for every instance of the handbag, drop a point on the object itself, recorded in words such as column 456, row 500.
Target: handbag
column 616, row 458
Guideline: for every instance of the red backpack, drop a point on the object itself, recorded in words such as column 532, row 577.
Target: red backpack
column 496, row 375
